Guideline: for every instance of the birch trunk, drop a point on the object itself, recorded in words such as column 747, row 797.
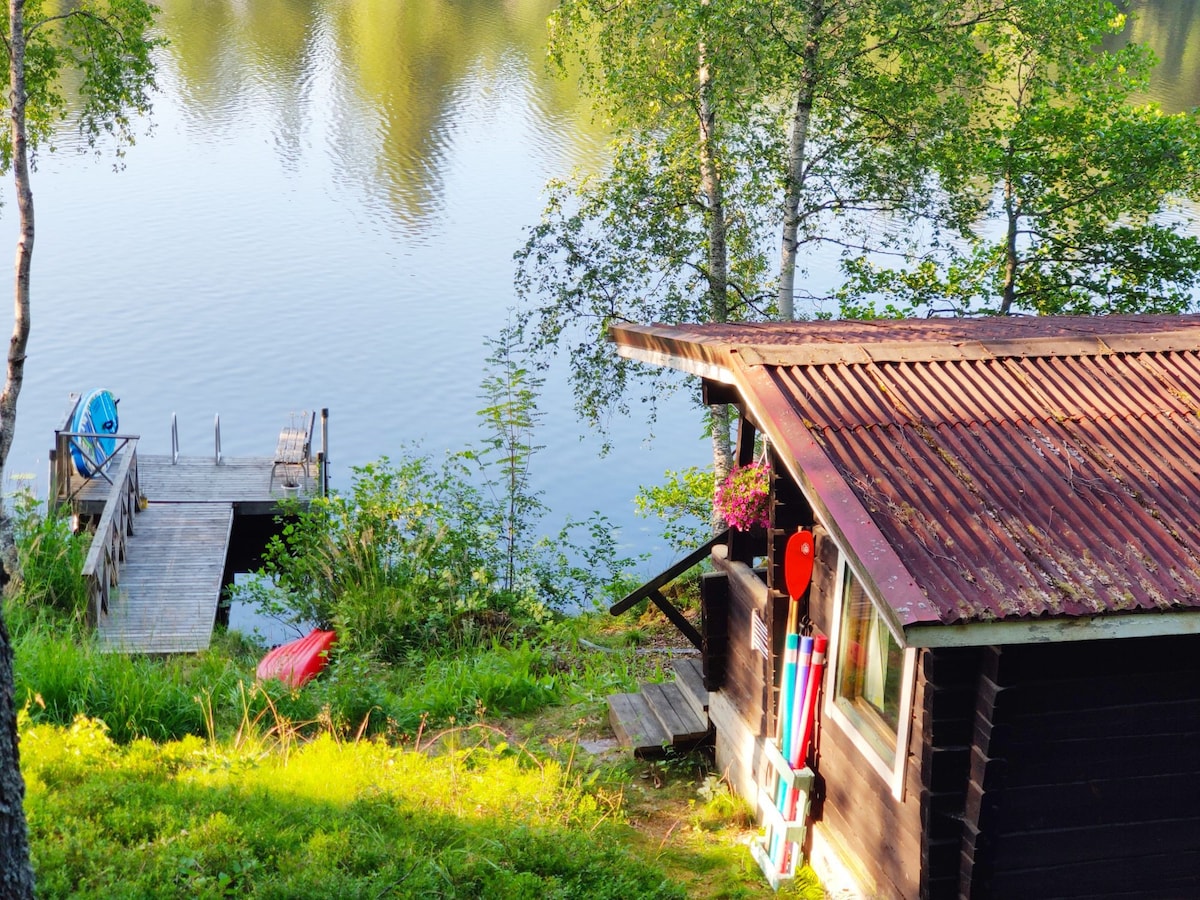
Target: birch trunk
column 718, row 261
column 15, row 374
column 798, row 141
column 16, row 872
column 1008, row 290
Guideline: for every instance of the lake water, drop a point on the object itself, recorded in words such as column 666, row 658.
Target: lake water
column 325, row 216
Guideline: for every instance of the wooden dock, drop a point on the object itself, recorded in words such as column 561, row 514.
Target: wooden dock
column 166, row 599
column 254, row 485
column 163, row 526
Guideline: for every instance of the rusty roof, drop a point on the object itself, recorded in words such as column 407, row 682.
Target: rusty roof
column 982, row 470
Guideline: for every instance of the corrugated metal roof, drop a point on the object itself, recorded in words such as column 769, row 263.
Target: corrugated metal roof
column 1018, row 468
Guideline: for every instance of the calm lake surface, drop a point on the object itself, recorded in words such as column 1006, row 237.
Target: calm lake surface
column 325, row 216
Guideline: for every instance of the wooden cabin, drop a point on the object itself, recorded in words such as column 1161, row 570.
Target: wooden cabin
column 1006, row 515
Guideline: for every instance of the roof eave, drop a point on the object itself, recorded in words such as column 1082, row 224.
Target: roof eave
column 658, row 346
column 1046, row 631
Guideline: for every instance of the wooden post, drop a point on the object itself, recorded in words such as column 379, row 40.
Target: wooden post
column 52, row 484
column 60, row 456
column 743, row 546
column 324, row 466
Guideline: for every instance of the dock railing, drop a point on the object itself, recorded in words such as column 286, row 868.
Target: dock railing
column 101, row 569
column 65, row 480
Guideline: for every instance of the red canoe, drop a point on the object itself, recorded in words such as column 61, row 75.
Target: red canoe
column 300, row 661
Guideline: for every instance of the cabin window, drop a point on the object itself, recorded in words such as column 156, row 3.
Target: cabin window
column 873, row 681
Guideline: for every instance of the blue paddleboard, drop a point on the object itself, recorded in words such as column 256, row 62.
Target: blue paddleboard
column 95, row 418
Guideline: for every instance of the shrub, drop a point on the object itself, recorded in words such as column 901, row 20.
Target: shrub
column 51, row 558
column 392, row 565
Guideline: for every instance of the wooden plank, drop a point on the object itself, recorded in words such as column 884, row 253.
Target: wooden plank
column 677, row 619
column 195, row 479
column 1102, row 843
column 667, row 576
column 689, row 674
column 171, row 581
column 635, row 725
column 1083, row 804
column 670, row 707
column 1165, row 874
column 884, row 835
column 292, row 446
column 745, row 669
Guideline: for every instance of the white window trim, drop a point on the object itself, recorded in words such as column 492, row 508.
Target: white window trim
column 893, row 775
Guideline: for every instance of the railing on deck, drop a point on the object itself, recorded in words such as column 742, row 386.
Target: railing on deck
column 651, row 591
column 101, row 570
column 65, row 480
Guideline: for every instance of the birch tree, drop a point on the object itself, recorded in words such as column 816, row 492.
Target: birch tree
column 106, row 46
column 871, row 88
column 1060, row 195
column 735, row 123
column 673, row 230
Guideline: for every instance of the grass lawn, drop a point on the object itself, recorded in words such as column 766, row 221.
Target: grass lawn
column 536, row 802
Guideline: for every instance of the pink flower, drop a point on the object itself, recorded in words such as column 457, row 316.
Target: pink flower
column 742, row 498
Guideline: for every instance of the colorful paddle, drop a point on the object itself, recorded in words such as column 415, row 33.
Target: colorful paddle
column 797, row 574
column 812, row 687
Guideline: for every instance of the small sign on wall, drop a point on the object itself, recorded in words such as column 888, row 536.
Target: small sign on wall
column 758, row 634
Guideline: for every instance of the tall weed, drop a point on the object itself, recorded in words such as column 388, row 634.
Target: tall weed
column 51, row 558
column 58, row 677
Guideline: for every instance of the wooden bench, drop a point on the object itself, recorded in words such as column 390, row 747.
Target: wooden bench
column 295, row 446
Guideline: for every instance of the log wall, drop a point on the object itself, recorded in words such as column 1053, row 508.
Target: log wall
column 1084, row 771
column 947, row 680
column 731, row 599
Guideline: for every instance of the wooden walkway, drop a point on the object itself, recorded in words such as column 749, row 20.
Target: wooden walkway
column 162, row 527
column 170, row 559
column 166, row 601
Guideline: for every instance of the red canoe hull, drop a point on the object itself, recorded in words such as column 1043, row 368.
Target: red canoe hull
column 300, row 661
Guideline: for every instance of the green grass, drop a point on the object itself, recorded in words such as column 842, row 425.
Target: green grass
column 361, row 819
column 456, row 774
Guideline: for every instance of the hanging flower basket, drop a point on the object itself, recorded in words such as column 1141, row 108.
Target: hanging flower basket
column 741, row 499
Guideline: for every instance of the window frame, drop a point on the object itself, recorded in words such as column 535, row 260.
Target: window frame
column 893, row 774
